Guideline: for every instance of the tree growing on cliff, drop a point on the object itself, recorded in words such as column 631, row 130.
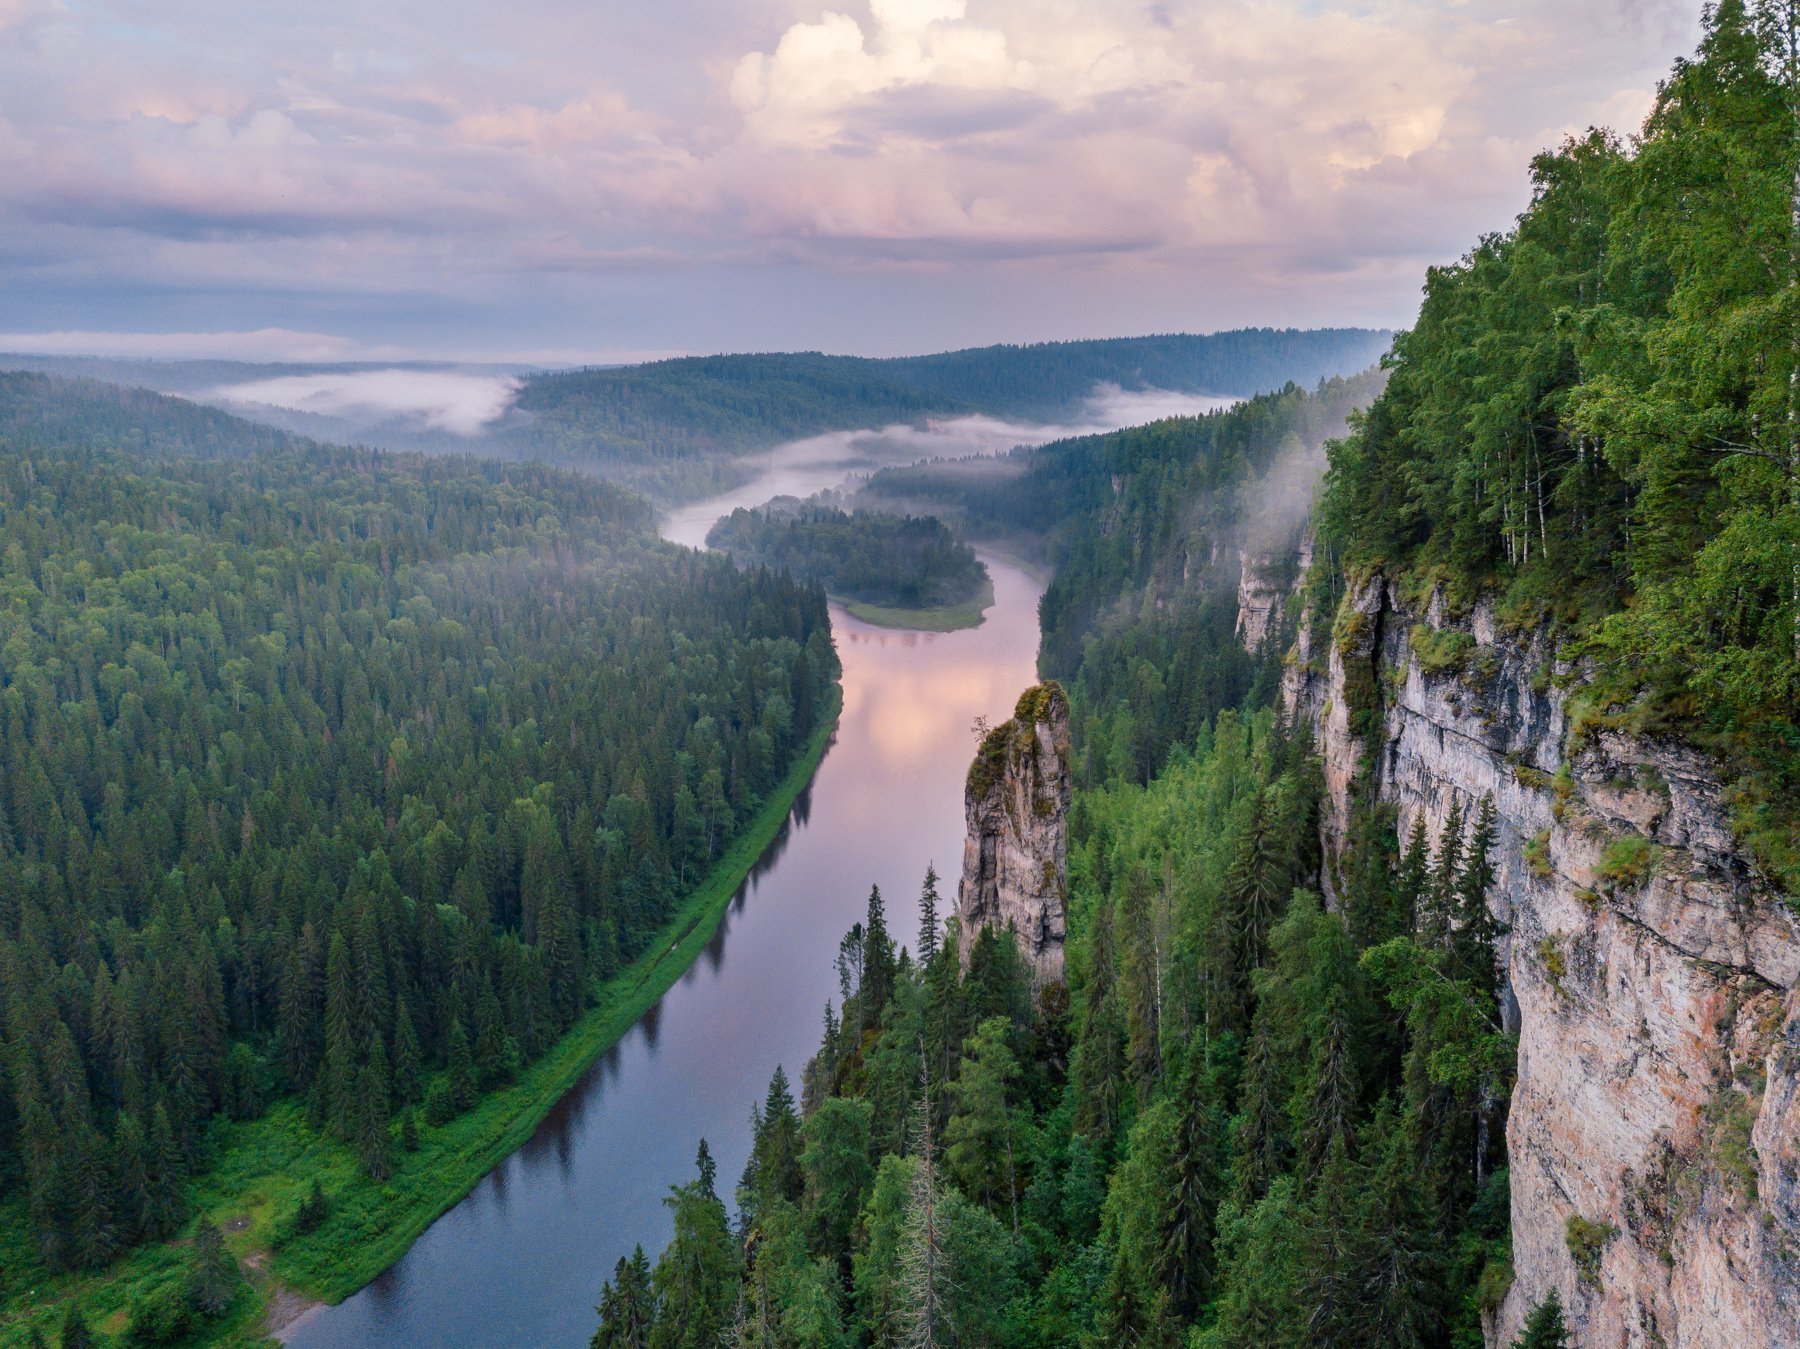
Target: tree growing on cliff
column 1545, row 1328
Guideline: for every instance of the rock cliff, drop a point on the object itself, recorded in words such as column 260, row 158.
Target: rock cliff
column 1654, row 1133
column 1015, row 859
column 1265, row 582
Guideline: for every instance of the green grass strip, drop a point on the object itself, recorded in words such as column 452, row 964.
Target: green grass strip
column 947, row 618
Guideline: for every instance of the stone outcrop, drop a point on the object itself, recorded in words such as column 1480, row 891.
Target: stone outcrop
column 1015, row 859
column 1265, row 583
column 1651, row 976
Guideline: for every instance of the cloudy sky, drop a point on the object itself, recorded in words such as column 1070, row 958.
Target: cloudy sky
column 603, row 179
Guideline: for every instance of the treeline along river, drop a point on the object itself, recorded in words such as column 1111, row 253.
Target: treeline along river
column 518, row 1264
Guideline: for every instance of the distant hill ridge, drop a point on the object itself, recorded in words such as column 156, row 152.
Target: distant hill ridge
column 699, row 405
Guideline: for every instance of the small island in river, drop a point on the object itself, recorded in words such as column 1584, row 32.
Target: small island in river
column 896, row 571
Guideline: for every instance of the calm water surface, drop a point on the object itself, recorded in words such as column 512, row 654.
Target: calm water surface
column 519, row 1263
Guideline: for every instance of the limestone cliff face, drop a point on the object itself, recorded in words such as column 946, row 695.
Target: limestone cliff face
column 1266, row 582
column 1652, row 977
column 1015, row 859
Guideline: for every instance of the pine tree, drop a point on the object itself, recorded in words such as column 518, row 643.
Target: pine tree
column 928, row 917
column 1194, row 1185
column 408, row 1062
column 979, row 1137
column 925, row 1274
column 461, row 1068
column 75, row 1332
column 213, row 1277
column 878, row 961
column 708, row 1171
column 167, row 1204
column 1545, row 1327
column 373, row 1143
column 1329, row 1114
column 342, row 1034
column 775, row 1154
column 627, row 1306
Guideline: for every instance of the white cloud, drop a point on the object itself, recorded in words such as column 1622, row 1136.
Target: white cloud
column 1321, row 153
column 444, row 400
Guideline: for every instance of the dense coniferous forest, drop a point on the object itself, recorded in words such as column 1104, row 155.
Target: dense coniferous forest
column 1253, row 1119
column 336, row 774
column 906, row 562
column 1137, row 512
column 1245, row 1112
column 1597, row 415
column 711, row 405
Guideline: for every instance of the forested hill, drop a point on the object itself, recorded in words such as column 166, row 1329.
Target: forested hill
column 42, row 411
column 1142, row 512
column 1597, row 419
column 1246, row 1121
column 711, row 405
column 1254, row 1118
column 910, row 562
column 333, row 776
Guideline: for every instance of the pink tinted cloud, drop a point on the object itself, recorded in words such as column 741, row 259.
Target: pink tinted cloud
column 1231, row 138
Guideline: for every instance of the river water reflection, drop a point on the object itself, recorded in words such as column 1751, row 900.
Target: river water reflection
column 518, row 1264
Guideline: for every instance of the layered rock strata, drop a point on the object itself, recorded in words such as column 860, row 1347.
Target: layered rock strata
column 1654, row 1133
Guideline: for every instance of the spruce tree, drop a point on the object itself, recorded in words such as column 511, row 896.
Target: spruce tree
column 979, row 1142
column 1545, row 1327
column 1259, row 1137
column 213, row 1276
column 167, row 1203
column 708, row 1171
column 408, row 1063
column 627, row 1306
column 925, row 1275
column 373, row 1143
column 1441, row 894
column 1413, row 879
column 1478, row 932
column 928, row 917
column 1194, row 1183
column 75, row 1332
column 878, row 961
column 1330, row 1108
column 775, row 1154
column 460, row 1068
column 342, row 1034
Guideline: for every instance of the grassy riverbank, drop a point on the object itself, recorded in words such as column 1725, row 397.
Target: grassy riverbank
column 265, row 1167
column 946, row 618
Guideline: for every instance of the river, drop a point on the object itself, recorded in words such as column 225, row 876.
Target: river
column 518, row 1264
